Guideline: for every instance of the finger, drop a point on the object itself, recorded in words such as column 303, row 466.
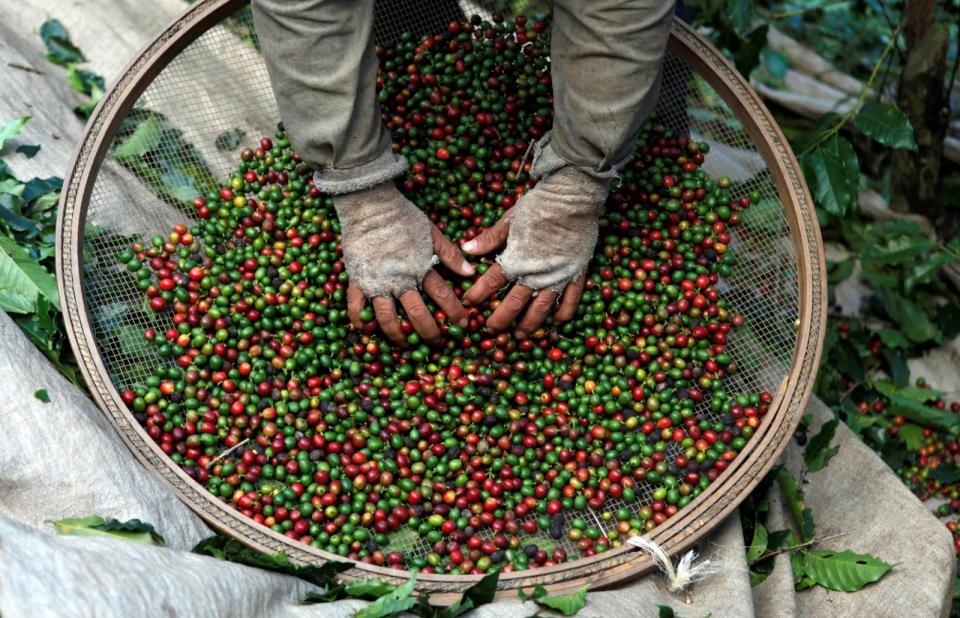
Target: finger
column 489, row 239
column 488, row 284
column 449, row 254
column 538, row 311
column 420, row 316
column 571, row 299
column 386, row 312
column 356, row 301
column 513, row 303
column 439, row 291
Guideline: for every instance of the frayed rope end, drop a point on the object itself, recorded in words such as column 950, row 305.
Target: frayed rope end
column 686, row 572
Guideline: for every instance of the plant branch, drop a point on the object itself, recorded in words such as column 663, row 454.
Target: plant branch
column 860, row 98
column 783, row 550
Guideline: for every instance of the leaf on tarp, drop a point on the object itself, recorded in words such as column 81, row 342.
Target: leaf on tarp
column 818, row 451
column 400, row 599
column 368, row 588
column 229, row 140
column 801, row 512
column 833, row 173
column 84, row 81
column 845, row 571
column 42, row 395
column 473, row 597
column 85, row 109
column 758, row 545
column 567, row 604
column 145, row 138
column 94, row 525
column 885, row 124
column 29, row 150
column 946, row 473
column 231, row 550
column 22, row 279
column 12, row 128
column 60, row 49
column 665, row 611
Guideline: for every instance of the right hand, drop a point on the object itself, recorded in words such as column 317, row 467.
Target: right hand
column 389, row 249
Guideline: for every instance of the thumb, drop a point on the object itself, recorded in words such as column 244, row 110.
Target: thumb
column 489, row 239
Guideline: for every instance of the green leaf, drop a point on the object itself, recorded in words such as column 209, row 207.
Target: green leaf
column 911, row 403
column 823, row 128
column 400, row 599
column 840, row 271
column 476, row 595
column 229, row 140
column 12, row 129
column 747, row 56
column 60, row 49
column 818, row 450
column 29, row 150
column 946, row 473
column 758, row 545
column 912, row 436
column 801, row 513
column 85, row 109
column 912, row 318
column 371, row 588
column 84, row 81
column 833, row 173
column 231, row 550
column 885, row 124
column 926, row 271
column 131, row 341
column 665, row 611
column 566, row 604
column 18, row 294
column 740, row 14
column 897, row 366
column 538, row 593
column 844, row 571
column 23, row 279
column 94, row 525
column 893, row 338
column 42, row 395
column 145, row 138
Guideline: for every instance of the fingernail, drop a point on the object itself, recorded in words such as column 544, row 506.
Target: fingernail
column 519, row 334
column 467, row 268
column 463, row 323
column 470, row 245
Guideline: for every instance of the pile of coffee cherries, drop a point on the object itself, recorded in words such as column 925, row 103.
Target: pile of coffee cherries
column 487, row 452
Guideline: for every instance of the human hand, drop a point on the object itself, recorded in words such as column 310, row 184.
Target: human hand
column 389, row 249
column 550, row 236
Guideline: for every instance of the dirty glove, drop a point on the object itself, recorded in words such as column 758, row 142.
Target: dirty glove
column 389, row 249
column 550, row 236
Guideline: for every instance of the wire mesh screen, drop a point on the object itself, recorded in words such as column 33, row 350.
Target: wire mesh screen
column 185, row 133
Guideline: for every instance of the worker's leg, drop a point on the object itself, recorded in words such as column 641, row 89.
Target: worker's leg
column 322, row 65
column 606, row 57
